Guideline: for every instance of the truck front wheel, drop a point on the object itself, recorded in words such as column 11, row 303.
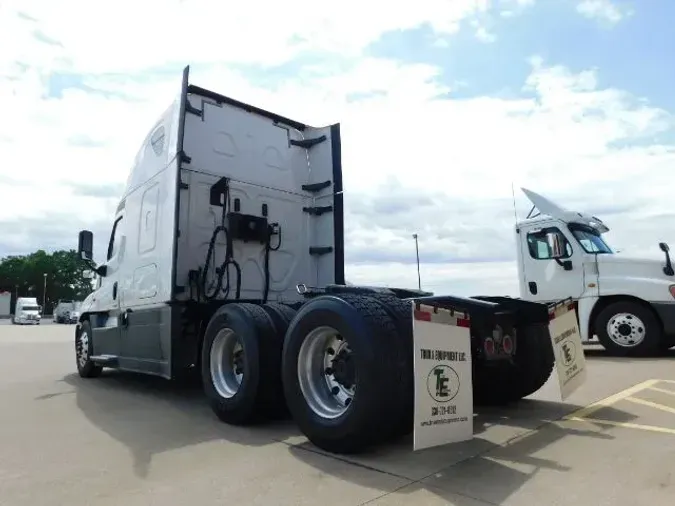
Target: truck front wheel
column 627, row 328
column 83, row 351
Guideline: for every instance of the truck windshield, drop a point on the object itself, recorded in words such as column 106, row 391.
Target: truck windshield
column 590, row 239
column 30, row 308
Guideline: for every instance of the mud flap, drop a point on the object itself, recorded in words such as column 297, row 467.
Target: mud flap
column 443, row 379
column 570, row 361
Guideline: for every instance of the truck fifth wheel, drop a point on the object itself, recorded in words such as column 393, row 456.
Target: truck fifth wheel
column 225, row 264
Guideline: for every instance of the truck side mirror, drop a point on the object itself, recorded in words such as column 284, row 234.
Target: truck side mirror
column 85, row 245
column 664, row 247
column 555, row 245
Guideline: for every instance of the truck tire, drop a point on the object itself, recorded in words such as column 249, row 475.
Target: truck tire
column 344, row 406
column 84, row 348
column 400, row 312
column 240, row 364
column 281, row 316
column 501, row 383
column 627, row 328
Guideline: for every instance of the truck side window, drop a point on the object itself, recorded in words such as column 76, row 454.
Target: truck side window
column 114, row 243
column 538, row 245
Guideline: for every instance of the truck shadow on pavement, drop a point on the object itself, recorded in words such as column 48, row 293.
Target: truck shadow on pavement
column 503, row 456
column 597, row 353
column 150, row 416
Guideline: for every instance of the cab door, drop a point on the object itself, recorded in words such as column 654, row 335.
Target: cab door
column 549, row 275
column 106, row 335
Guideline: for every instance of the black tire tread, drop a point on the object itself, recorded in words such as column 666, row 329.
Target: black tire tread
column 270, row 396
column 401, row 313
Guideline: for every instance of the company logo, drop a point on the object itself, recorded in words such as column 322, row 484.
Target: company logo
column 443, row 383
column 568, row 353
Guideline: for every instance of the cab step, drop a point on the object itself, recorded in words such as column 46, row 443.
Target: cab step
column 106, row 360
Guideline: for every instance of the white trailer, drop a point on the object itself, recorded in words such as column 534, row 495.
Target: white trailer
column 628, row 303
column 225, row 264
column 5, row 304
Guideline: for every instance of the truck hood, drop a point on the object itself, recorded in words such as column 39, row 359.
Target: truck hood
column 624, row 262
column 641, row 277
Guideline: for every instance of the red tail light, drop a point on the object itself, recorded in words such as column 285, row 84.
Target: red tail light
column 507, row 344
column 489, row 346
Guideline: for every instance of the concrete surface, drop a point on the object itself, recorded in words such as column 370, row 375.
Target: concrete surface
column 125, row 439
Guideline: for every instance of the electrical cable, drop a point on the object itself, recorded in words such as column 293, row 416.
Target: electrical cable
column 272, row 229
column 223, row 271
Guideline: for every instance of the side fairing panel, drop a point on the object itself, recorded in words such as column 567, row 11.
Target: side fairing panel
column 150, row 203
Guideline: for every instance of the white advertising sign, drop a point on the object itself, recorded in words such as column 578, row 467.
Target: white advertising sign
column 570, row 361
column 443, row 380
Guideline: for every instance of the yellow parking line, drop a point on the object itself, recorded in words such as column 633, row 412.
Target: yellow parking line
column 612, row 399
column 662, row 390
column 651, row 404
column 625, row 425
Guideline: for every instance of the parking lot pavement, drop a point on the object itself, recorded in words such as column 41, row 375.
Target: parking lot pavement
column 125, row 439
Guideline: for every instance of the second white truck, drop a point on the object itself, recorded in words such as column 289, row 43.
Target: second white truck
column 628, row 303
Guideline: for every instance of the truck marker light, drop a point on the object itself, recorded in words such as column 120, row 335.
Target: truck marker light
column 507, row 344
column 671, row 288
column 422, row 315
column 489, row 346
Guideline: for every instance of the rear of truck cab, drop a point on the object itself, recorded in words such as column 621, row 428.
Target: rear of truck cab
column 211, row 160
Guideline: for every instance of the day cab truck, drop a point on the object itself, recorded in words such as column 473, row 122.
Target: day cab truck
column 27, row 311
column 628, row 303
column 225, row 264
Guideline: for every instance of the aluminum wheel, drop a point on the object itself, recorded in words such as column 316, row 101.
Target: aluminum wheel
column 82, row 348
column 626, row 329
column 227, row 363
column 326, row 372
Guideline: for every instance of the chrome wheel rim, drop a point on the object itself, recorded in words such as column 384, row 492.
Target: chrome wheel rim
column 227, row 363
column 626, row 330
column 83, row 348
column 327, row 373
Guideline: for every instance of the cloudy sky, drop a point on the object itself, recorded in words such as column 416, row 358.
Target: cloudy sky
column 444, row 105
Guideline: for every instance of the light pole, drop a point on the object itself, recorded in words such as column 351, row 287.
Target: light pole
column 417, row 251
column 44, row 293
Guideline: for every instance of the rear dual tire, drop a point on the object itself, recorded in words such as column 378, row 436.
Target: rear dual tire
column 365, row 405
column 502, row 383
column 240, row 364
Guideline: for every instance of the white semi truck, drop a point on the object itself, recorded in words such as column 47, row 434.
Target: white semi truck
column 27, row 311
column 225, row 264
column 628, row 303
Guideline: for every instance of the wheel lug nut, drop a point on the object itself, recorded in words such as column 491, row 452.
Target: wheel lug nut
column 348, row 401
column 335, row 390
column 329, row 371
column 330, row 351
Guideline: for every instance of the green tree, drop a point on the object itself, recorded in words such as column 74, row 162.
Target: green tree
column 24, row 276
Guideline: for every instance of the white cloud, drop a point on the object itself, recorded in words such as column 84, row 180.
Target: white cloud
column 409, row 143
column 602, row 9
